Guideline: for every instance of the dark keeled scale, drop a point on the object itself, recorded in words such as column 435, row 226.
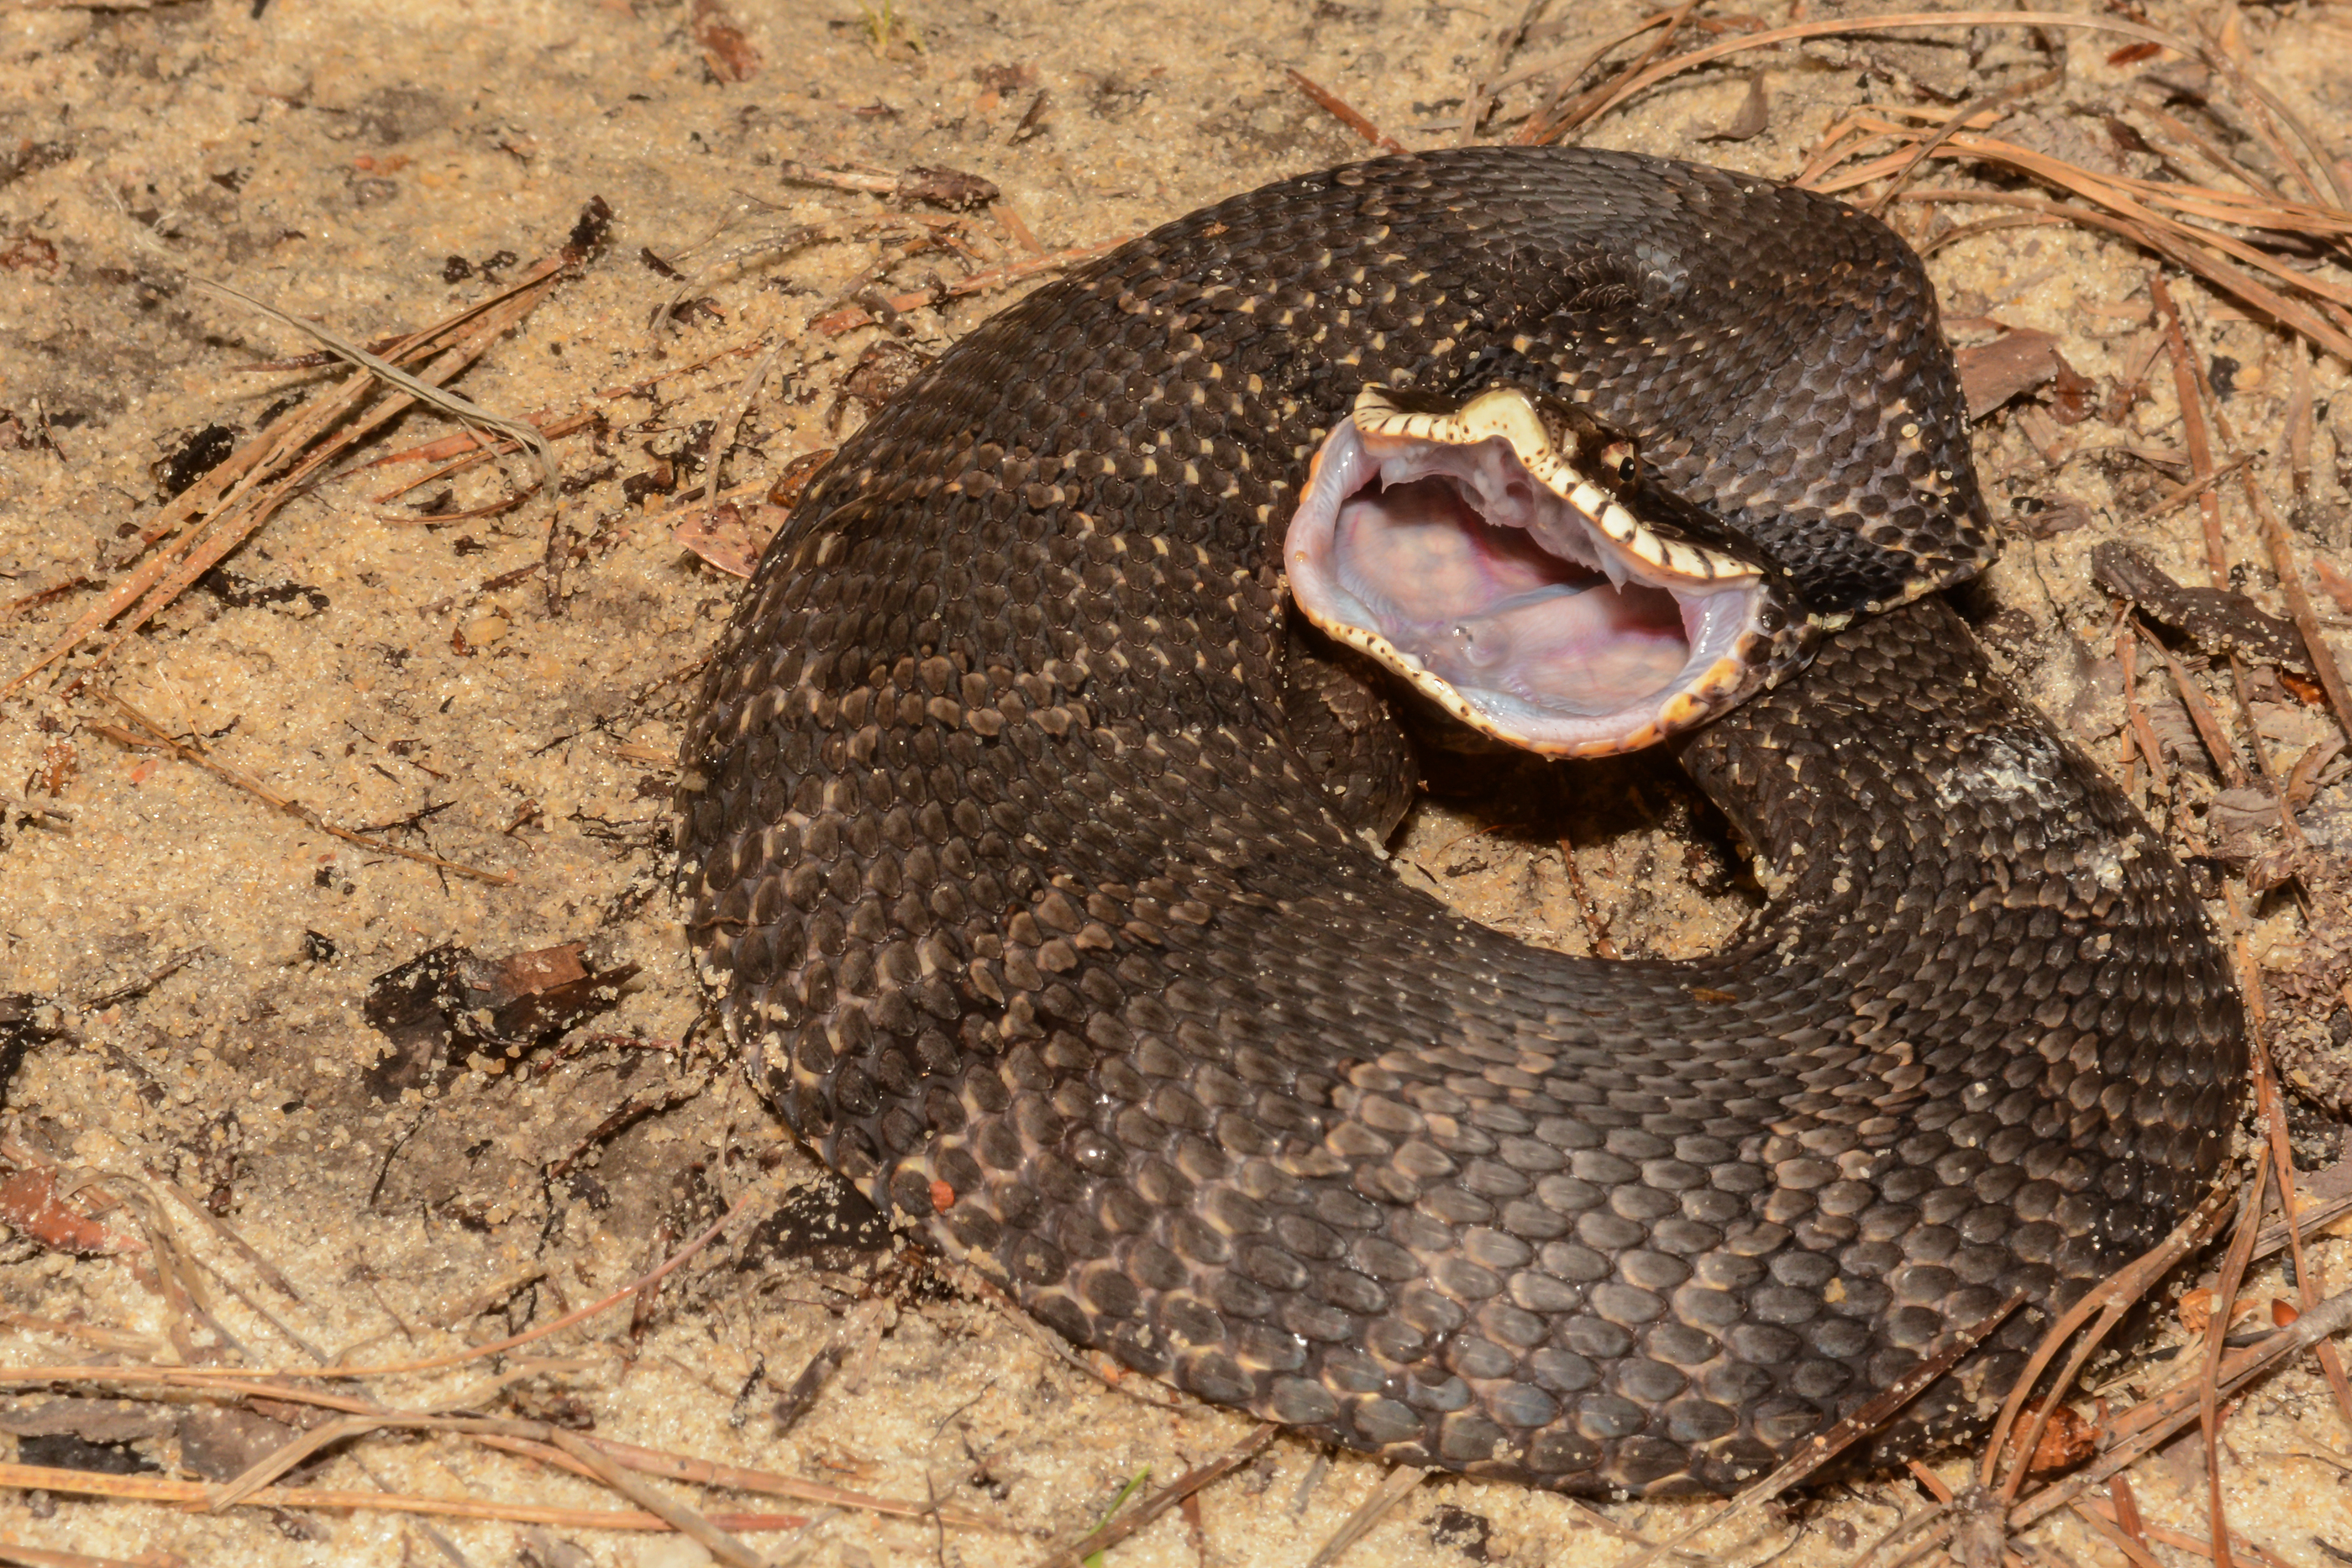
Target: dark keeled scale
column 1026, row 900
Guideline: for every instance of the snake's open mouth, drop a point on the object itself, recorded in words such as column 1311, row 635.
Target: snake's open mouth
column 1482, row 553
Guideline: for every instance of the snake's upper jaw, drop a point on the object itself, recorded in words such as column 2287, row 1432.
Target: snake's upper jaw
column 1482, row 552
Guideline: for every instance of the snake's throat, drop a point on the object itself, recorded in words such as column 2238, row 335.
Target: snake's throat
column 1470, row 556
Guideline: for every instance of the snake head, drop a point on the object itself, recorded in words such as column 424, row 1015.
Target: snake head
column 1510, row 556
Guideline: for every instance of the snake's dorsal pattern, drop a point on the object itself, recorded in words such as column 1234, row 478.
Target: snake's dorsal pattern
column 1030, row 915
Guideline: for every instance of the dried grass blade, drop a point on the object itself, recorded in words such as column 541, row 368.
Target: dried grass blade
column 1902, row 21
column 1121, row 1526
column 156, row 1489
column 296, row 808
column 2114, row 1296
column 678, row 1515
column 2190, row 258
column 2143, row 1427
column 165, row 577
column 459, row 408
column 1995, row 104
column 1370, row 1513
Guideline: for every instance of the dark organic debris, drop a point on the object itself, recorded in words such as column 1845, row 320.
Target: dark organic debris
column 202, row 452
column 2221, row 620
column 240, row 592
column 64, row 1451
column 451, row 994
column 1468, row 1534
column 97, row 1421
column 2017, row 362
column 221, row 1444
column 828, row 1221
column 25, row 1021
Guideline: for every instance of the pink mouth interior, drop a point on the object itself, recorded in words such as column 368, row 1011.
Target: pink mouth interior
column 1483, row 578
column 1487, row 606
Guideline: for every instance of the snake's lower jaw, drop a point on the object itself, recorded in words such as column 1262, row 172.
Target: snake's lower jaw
column 1479, row 554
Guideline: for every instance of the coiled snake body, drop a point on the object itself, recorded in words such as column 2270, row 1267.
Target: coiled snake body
column 1015, row 848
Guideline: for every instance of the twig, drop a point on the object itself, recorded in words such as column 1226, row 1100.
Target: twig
column 1370, row 1513
column 1986, row 103
column 208, row 1376
column 725, row 436
column 1821, row 1448
column 384, row 370
column 2192, row 424
column 1481, row 96
column 735, row 1477
column 1339, row 109
column 2190, row 257
column 2273, row 1107
column 1596, row 930
column 2137, row 725
column 156, row 1489
column 41, row 809
column 46, row 1557
column 147, row 982
column 242, row 509
column 2200, row 715
column 2209, row 1391
column 2298, row 603
column 1118, row 1528
column 2113, row 1297
column 1558, row 117
column 853, row 317
column 2147, row 1424
column 295, row 808
column 677, row 1515
column 2181, row 494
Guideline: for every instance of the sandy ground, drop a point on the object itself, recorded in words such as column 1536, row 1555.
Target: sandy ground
column 434, row 668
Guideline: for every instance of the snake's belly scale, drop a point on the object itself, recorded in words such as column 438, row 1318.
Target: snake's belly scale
column 1031, row 912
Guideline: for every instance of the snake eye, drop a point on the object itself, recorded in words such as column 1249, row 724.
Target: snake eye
column 1626, row 471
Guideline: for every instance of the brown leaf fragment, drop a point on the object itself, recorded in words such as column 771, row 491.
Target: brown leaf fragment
column 220, row 1443
column 725, row 45
column 729, row 538
column 947, row 188
column 1755, row 112
column 2019, row 361
column 2302, row 781
column 2068, row 1440
column 91, row 1420
column 2221, row 620
column 30, row 1206
column 453, row 995
column 882, row 372
column 1004, row 78
column 2049, row 515
column 786, row 491
column 29, row 251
